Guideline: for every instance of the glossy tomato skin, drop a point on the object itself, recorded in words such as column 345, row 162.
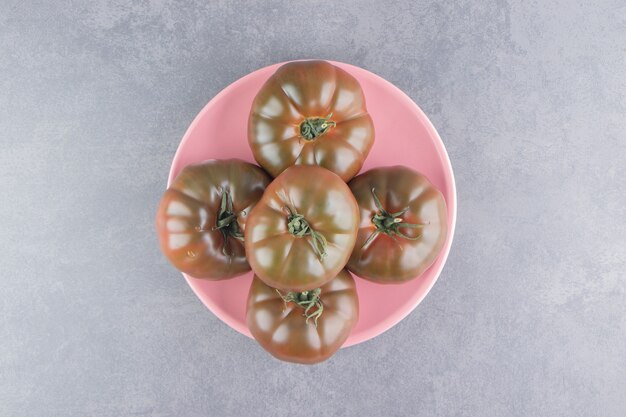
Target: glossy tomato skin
column 310, row 89
column 289, row 262
column 282, row 330
column 188, row 212
column 387, row 261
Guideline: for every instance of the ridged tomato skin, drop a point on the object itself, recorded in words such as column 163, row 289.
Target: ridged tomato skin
column 188, row 213
column 391, row 260
column 310, row 90
column 289, row 262
column 282, row 330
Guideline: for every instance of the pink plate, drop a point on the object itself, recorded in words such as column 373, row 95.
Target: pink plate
column 404, row 136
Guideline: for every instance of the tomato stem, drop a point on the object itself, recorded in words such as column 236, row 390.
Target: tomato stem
column 309, row 300
column 226, row 221
column 314, row 127
column 390, row 223
column 299, row 227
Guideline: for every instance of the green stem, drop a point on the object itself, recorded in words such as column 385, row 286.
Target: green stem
column 307, row 300
column 314, row 127
column 226, row 221
column 299, row 227
column 390, row 223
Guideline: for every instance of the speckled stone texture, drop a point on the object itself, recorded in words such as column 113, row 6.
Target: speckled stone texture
column 528, row 317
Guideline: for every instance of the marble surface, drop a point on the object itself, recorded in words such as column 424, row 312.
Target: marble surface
column 528, row 317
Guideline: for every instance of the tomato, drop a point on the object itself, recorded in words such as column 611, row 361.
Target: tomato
column 306, row 327
column 403, row 224
column 201, row 217
column 311, row 113
column 300, row 234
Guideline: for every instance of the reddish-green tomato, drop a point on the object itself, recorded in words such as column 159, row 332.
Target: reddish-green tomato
column 403, row 225
column 283, row 326
column 311, row 113
column 300, row 234
column 202, row 216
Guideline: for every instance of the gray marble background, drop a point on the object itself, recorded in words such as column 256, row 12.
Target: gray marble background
column 528, row 317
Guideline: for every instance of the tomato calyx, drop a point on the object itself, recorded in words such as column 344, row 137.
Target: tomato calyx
column 314, row 127
column 309, row 300
column 226, row 222
column 390, row 223
column 299, row 227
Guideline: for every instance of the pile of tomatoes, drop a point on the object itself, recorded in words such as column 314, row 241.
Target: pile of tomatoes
column 303, row 221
